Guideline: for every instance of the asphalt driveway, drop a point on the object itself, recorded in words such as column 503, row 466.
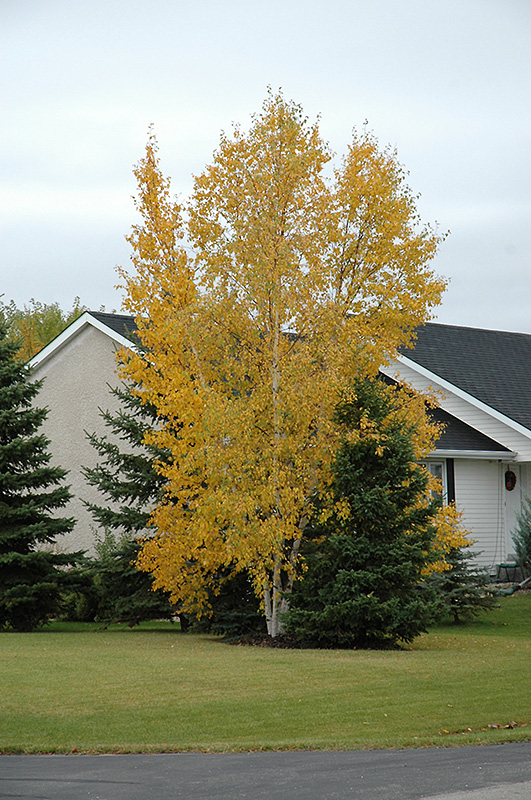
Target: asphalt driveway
column 469, row 773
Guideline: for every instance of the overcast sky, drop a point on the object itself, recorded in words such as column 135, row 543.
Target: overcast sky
column 448, row 82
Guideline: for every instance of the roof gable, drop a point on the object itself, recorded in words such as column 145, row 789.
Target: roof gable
column 456, row 436
column 118, row 327
column 492, row 366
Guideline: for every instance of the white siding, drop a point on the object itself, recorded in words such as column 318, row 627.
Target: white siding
column 513, row 504
column 479, row 495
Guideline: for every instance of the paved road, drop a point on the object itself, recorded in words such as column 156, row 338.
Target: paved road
column 497, row 772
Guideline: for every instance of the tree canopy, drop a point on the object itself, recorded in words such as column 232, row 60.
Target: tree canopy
column 276, row 285
column 37, row 323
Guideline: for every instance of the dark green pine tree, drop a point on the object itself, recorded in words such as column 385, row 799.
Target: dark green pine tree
column 363, row 587
column 30, row 492
column 130, row 485
column 122, row 593
column 125, row 475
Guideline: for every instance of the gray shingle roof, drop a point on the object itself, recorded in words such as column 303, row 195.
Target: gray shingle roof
column 124, row 324
column 457, row 435
column 492, row 366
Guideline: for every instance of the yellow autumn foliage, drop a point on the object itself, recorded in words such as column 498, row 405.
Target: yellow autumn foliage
column 451, row 533
column 256, row 304
column 36, row 323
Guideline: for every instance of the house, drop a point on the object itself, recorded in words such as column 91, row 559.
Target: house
column 482, row 379
column 78, row 368
column 483, row 382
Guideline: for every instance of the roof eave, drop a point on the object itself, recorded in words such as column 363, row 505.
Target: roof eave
column 482, row 455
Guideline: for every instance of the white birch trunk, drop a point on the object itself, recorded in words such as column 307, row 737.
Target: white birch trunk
column 276, row 604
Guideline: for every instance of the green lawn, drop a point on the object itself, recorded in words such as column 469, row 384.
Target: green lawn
column 76, row 688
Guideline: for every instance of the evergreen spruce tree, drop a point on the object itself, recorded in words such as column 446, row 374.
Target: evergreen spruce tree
column 465, row 590
column 30, row 493
column 363, row 586
column 130, row 484
column 125, row 476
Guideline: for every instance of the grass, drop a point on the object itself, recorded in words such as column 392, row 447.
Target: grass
column 74, row 688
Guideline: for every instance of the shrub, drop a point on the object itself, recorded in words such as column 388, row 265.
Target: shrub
column 111, row 589
column 235, row 609
column 522, row 538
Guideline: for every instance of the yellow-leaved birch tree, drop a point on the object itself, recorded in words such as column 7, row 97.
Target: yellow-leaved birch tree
column 293, row 284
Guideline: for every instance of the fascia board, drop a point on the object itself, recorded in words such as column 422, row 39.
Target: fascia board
column 85, row 319
column 450, row 387
column 485, row 455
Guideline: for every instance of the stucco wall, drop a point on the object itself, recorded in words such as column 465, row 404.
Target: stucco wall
column 76, row 379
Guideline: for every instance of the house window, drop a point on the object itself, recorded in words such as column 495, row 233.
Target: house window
column 436, row 468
